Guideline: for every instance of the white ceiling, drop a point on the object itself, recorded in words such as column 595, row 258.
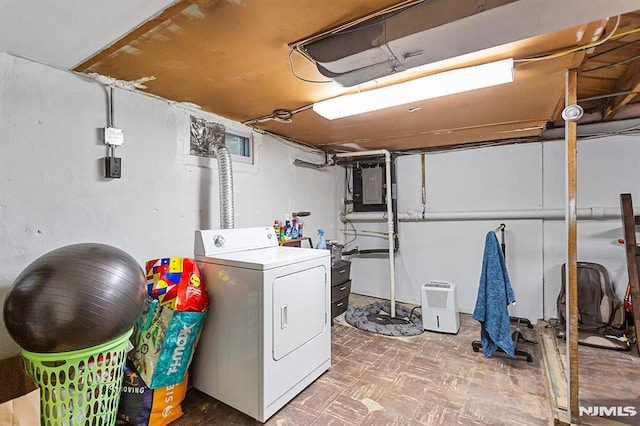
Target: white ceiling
column 63, row 33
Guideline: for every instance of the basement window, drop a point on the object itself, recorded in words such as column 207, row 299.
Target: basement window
column 239, row 146
column 204, row 135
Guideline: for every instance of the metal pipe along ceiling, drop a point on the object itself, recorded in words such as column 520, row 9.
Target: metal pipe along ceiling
column 594, row 129
column 593, row 213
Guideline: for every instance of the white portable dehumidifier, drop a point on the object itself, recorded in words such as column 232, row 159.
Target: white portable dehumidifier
column 440, row 307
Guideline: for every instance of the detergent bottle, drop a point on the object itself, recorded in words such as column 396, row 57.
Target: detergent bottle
column 276, row 229
column 322, row 244
column 287, row 228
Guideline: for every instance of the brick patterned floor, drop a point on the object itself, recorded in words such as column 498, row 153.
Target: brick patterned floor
column 429, row 379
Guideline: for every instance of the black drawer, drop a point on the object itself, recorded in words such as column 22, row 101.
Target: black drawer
column 339, row 306
column 340, row 291
column 340, row 272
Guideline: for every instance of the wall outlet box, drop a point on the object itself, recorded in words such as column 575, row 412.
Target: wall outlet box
column 112, row 167
column 113, row 136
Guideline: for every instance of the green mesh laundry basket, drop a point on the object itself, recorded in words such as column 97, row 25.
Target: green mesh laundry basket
column 80, row 387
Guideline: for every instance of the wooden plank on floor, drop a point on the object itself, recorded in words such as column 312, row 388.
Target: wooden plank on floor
column 555, row 374
column 628, row 223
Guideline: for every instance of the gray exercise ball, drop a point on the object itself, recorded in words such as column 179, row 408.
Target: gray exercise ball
column 75, row 297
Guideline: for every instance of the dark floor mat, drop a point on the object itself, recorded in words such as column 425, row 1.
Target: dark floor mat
column 376, row 318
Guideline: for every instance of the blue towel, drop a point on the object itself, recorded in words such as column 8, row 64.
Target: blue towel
column 494, row 296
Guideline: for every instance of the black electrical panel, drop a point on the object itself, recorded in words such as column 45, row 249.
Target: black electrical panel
column 369, row 186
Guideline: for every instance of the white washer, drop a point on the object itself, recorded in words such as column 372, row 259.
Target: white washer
column 267, row 334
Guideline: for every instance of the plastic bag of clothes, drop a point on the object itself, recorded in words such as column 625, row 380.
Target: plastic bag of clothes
column 142, row 406
column 176, row 283
column 169, row 327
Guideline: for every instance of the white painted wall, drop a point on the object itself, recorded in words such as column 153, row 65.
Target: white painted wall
column 606, row 168
column 52, row 194
column 517, row 177
column 52, row 190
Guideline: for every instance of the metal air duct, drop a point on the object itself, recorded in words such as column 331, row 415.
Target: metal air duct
column 215, row 133
column 433, row 30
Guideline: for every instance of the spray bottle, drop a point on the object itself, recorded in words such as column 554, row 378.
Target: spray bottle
column 322, row 243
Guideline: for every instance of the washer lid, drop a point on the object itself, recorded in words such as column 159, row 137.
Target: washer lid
column 265, row 258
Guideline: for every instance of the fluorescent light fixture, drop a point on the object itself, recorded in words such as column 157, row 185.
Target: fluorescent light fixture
column 432, row 86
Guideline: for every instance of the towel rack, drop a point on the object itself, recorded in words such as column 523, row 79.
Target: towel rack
column 502, row 244
column 517, row 334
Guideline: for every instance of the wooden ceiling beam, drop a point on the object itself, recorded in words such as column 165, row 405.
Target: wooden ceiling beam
column 448, row 137
column 629, row 81
column 577, row 60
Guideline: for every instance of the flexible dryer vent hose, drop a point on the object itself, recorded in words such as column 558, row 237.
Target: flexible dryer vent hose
column 225, row 178
column 217, row 132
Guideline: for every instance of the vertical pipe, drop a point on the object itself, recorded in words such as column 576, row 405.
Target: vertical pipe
column 110, row 119
column 112, row 149
column 346, row 196
column 424, row 183
column 571, row 223
column 390, row 235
